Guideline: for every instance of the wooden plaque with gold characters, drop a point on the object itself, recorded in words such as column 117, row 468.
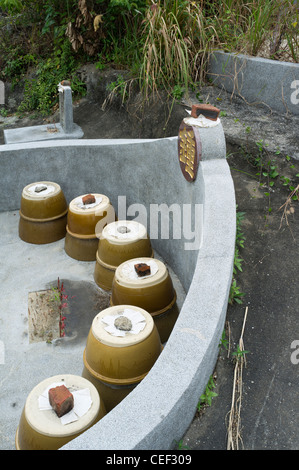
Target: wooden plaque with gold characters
column 189, row 150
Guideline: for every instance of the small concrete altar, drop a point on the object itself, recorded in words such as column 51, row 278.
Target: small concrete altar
column 65, row 129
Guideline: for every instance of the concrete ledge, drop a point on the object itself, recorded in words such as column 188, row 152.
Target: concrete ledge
column 40, row 133
column 159, row 410
column 259, row 81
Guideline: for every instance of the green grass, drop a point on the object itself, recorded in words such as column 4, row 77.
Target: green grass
column 166, row 45
column 235, row 294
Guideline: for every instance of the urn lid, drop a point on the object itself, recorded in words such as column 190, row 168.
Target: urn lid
column 122, row 325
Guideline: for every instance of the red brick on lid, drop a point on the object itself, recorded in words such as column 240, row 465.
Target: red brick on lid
column 88, row 199
column 207, row 110
column 142, row 269
column 61, row 400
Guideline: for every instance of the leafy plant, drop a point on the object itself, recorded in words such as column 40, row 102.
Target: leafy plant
column 239, row 353
column 240, row 237
column 11, row 6
column 223, row 341
column 119, row 87
column 207, row 397
column 178, row 92
column 180, row 446
column 235, row 295
column 41, row 92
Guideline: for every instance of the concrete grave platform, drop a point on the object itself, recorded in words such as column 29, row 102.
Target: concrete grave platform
column 40, row 133
column 146, row 172
column 65, row 129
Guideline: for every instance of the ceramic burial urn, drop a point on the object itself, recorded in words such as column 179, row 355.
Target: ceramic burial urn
column 43, row 213
column 42, row 428
column 87, row 215
column 119, row 242
column 146, row 283
column 122, row 346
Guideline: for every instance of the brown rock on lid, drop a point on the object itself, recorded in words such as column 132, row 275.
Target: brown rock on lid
column 142, row 269
column 61, row 400
column 207, row 110
column 88, row 199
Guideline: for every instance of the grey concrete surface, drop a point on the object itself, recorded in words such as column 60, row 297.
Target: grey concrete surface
column 257, row 80
column 40, row 133
column 28, row 268
column 135, row 169
column 66, row 109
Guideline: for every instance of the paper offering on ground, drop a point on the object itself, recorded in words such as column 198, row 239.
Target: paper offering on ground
column 82, row 403
column 137, row 319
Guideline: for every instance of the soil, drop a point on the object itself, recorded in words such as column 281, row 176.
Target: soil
column 84, row 301
column 268, row 403
column 43, row 316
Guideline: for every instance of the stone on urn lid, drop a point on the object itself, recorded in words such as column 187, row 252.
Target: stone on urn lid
column 142, row 269
column 88, row 199
column 123, row 323
column 61, row 400
column 39, row 189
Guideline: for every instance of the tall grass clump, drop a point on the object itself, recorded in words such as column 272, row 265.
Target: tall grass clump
column 247, row 27
column 178, row 36
column 175, row 47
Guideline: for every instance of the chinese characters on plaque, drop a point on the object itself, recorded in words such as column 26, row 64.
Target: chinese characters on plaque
column 189, row 150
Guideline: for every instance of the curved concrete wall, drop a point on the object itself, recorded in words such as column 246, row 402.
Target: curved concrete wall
column 160, row 409
column 257, row 80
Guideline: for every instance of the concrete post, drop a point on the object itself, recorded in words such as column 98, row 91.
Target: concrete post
column 66, row 108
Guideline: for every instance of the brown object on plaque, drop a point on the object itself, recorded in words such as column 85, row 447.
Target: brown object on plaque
column 61, row 400
column 207, row 110
column 66, row 83
column 142, row 269
column 88, row 199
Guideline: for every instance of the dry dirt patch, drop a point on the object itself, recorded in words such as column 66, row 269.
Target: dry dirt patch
column 43, row 316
